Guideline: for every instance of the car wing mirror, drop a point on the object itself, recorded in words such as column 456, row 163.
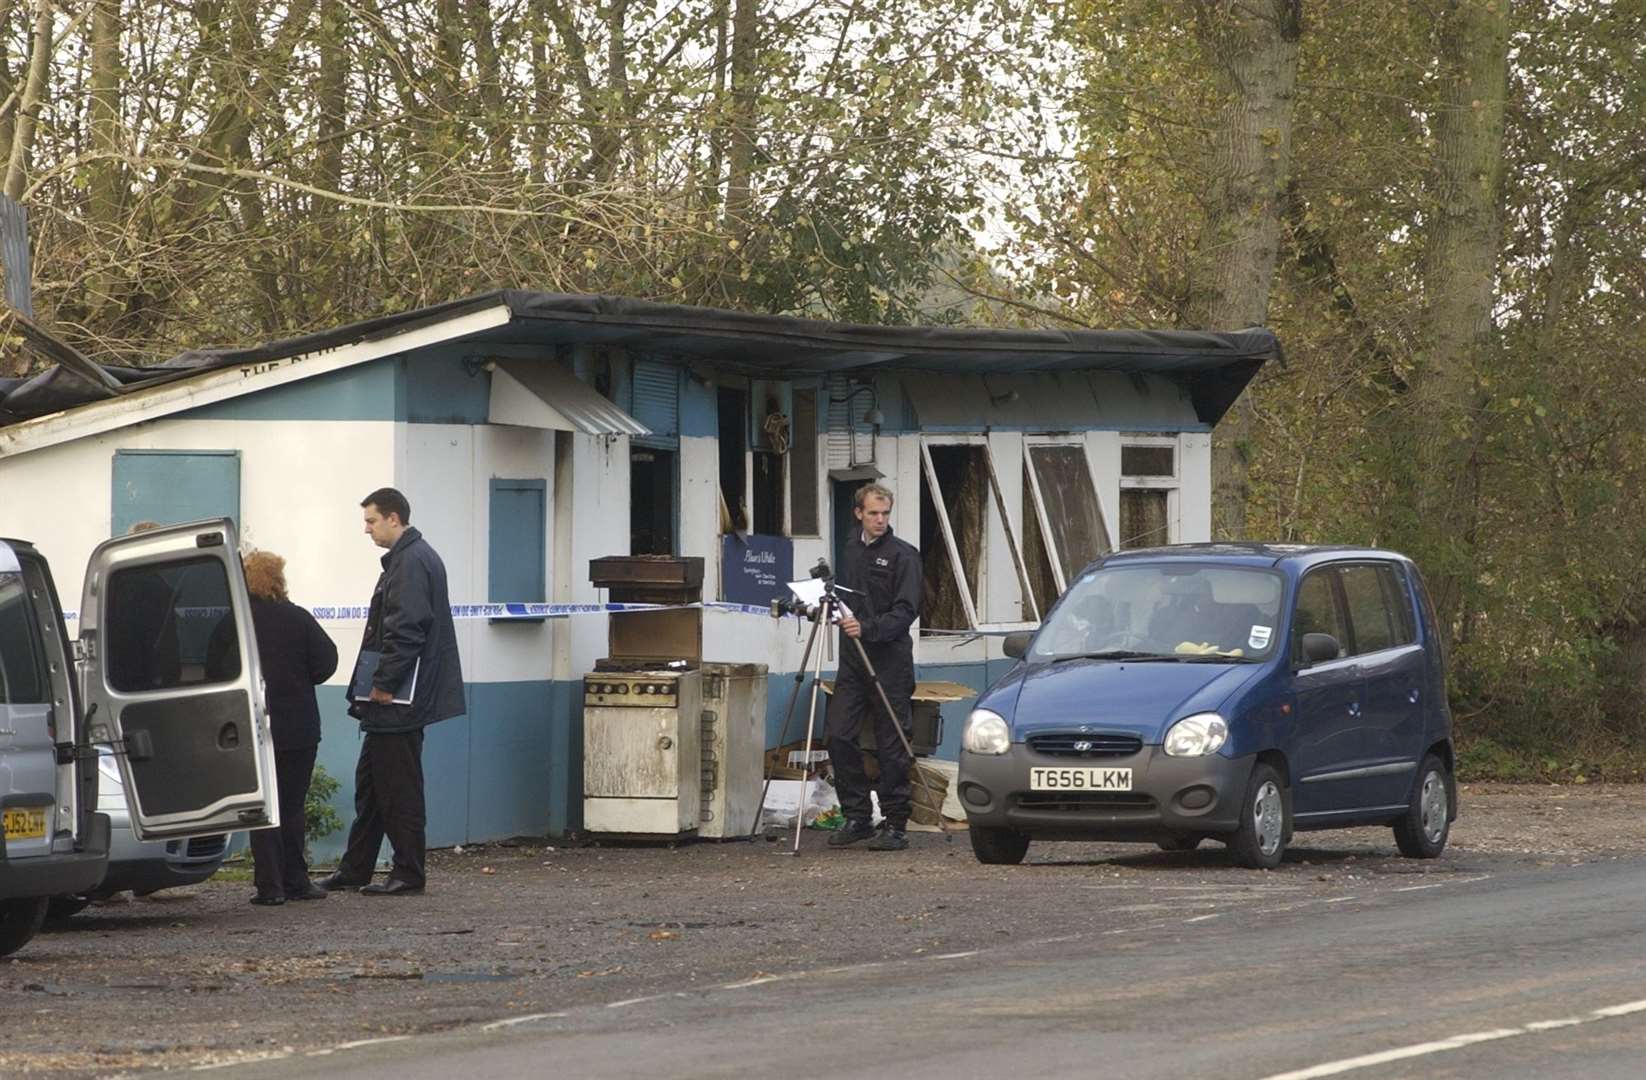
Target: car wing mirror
column 1015, row 645
column 1320, row 647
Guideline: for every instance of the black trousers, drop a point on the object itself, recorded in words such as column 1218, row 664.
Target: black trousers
column 388, row 801
column 855, row 701
column 279, row 868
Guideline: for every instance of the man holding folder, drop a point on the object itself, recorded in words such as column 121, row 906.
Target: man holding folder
column 407, row 676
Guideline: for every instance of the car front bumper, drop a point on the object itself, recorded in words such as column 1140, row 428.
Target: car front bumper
column 1169, row 796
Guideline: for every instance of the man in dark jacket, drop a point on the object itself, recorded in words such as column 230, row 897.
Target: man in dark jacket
column 408, row 676
column 884, row 578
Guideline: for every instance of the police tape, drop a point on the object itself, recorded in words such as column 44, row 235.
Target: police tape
column 495, row 612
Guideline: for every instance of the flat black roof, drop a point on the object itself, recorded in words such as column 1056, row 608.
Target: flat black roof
column 1214, row 367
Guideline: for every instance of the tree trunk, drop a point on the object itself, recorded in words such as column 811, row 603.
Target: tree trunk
column 28, row 107
column 107, row 174
column 744, row 78
column 1255, row 45
column 1460, row 283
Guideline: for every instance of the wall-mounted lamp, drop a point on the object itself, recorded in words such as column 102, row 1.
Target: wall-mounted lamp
column 873, row 417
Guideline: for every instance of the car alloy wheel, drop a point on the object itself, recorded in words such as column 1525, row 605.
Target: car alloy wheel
column 1435, row 806
column 1268, row 817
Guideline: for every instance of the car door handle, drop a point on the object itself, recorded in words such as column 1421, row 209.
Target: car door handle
column 1354, row 708
column 1413, row 696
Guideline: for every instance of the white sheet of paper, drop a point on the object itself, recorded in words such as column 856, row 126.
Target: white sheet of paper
column 808, row 591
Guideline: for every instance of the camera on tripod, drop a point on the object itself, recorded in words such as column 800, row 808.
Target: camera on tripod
column 794, row 605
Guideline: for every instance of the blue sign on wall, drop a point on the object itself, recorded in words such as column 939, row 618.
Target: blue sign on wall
column 755, row 569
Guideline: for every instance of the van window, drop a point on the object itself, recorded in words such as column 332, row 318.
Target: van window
column 1318, row 611
column 21, row 678
column 1368, row 608
column 161, row 621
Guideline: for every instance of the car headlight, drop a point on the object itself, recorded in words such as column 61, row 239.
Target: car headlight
column 1196, row 736
column 985, row 733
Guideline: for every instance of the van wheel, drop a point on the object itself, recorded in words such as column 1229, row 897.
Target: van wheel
column 59, row 908
column 20, row 920
column 1180, row 842
column 1265, row 821
column 1421, row 832
column 999, row 847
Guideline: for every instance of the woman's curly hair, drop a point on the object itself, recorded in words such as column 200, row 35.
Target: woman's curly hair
column 266, row 575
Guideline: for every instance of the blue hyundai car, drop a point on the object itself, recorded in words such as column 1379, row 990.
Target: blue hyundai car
column 1236, row 692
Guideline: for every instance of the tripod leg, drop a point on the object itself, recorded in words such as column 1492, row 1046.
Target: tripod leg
column 811, row 720
column 897, row 726
column 788, row 714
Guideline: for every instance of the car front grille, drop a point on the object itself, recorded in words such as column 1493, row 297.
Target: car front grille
column 1100, row 745
column 1083, row 801
column 201, row 847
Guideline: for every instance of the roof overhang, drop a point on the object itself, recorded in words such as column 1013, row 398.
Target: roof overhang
column 189, row 388
column 544, row 394
column 1211, row 368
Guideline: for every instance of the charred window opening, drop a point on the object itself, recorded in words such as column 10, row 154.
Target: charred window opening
column 651, row 501
column 768, row 493
column 960, row 497
column 734, row 445
column 1148, row 487
column 803, row 513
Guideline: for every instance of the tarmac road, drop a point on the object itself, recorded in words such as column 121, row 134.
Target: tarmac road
column 1508, row 971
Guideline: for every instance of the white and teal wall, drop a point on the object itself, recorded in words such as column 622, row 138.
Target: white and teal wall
column 288, row 449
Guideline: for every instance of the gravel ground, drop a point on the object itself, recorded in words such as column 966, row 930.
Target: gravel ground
column 198, row 976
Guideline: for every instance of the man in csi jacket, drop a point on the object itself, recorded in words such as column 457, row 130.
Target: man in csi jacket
column 407, row 677
column 884, row 576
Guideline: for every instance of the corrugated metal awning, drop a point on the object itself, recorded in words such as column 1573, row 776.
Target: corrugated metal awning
column 545, row 394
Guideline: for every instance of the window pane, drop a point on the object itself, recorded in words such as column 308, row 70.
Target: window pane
column 1143, row 518
column 1317, row 612
column 1400, row 603
column 1147, row 461
column 803, row 465
column 963, row 480
column 170, row 626
column 1036, row 559
column 21, row 682
column 1072, row 513
column 1368, row 611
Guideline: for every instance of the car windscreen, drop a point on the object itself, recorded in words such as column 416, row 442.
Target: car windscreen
column 1168, row 610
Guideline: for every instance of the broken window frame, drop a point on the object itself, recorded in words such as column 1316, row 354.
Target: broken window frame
column 1035, row 497
column 1172, row 484
column 951, row 546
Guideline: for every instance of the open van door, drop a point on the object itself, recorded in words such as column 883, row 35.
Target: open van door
column 171, row 680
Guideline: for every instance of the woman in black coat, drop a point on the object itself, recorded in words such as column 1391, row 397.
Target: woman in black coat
column 295, row 656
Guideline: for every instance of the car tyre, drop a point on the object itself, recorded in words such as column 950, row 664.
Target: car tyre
column 1180, row 842
column 59, row 908
column 1422, row 831
column 1265, row 821
column 20, row 920
column 999, row 847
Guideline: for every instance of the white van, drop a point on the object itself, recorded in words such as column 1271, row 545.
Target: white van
column 193, row 749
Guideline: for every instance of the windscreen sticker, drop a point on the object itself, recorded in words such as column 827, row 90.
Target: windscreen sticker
column 1260, row 637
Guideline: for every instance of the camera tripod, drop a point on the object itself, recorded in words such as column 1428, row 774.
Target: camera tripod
column 825, row 613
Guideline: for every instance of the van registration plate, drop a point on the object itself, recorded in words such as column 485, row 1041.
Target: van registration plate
column 1081, row 779
column 25, row 823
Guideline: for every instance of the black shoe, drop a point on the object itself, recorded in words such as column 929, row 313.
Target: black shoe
column 336, row 882
column 850, row 833
column 889, row 839
column 392, row 887
column 307, row 891
column 267, row 900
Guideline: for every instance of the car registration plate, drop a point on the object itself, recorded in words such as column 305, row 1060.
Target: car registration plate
column 25, row 823
column 1083, row 779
